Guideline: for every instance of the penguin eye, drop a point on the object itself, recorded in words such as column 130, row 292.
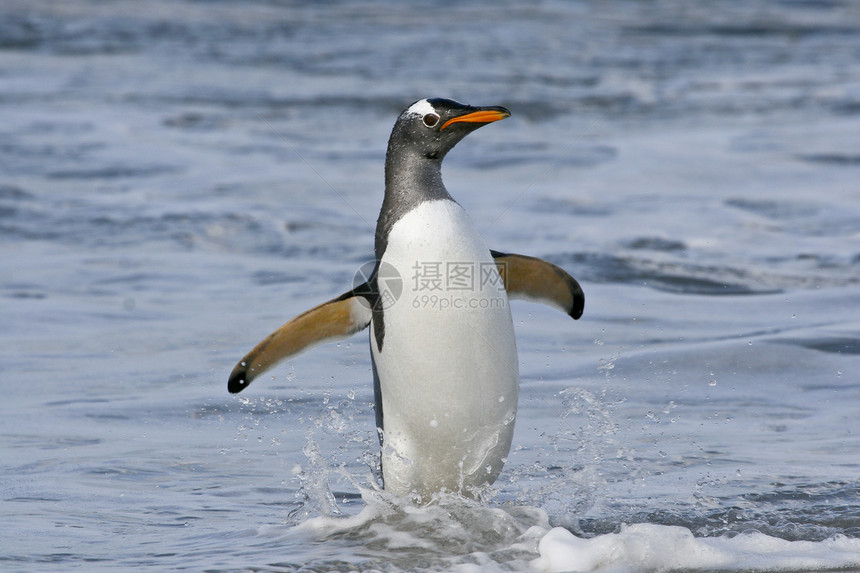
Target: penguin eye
column 431, row 119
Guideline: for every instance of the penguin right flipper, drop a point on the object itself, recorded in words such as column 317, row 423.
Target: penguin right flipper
column 333, row 320
column 540, row 281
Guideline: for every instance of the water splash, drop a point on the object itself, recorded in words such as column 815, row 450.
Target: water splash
column 563, row 476
column 314, row 493
column 450, row 531
column 351, row 461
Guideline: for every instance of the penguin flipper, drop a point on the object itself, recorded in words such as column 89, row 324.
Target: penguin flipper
column 540, row 281
column 333, row 320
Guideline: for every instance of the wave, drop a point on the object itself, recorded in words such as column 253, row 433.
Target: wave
column 674, row 274
column 391, row 534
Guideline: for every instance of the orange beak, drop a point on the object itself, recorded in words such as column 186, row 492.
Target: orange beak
column 481, row 116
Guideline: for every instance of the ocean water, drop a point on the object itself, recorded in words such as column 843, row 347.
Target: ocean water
column 177, row 179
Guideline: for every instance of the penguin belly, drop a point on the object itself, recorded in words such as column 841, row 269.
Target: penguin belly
column 447, row 367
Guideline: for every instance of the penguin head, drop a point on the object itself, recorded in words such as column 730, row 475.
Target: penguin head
column 432, row 127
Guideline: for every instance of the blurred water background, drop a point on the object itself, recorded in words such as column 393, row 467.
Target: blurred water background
column 178, row 178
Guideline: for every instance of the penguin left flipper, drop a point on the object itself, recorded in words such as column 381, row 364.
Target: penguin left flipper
column 540, row 281
column 333, row 320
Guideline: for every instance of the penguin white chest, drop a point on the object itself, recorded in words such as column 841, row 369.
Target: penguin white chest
column 447, row 365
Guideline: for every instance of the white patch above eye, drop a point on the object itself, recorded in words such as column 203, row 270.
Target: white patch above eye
column 422, row 108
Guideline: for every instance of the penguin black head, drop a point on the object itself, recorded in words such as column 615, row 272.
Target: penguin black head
column 432, row 127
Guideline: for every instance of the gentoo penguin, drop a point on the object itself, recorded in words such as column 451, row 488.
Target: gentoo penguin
column 443, row 352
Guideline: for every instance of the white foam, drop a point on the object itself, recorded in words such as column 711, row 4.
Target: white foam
column 649, row 547
column 472, row 537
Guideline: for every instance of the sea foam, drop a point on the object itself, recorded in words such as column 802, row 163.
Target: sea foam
column 648, row 547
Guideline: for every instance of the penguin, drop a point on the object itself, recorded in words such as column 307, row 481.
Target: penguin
column 442, row 344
